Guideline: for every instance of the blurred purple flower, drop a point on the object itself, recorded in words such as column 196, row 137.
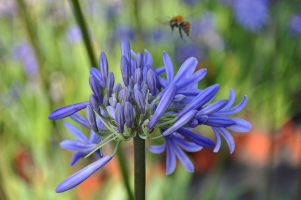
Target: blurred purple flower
column 295, row 24
column 182, row 53
column 251, row 14
column 8, row 8
column 123, row 31
column 25, row 53
column 190, row 2
column 206, row 31
column 74, row 34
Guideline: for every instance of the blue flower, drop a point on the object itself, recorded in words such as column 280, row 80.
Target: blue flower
column 251, row 14
column 295, row 24
column 25, row 53
column 82, row 145
column 74, row 34
column 172, row 145
column 172, row 103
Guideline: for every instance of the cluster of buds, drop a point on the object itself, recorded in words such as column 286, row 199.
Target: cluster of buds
column 146, row 101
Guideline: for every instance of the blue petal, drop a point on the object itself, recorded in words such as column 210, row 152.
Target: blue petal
column 240, row 125
column 196, row 138
column 148, row 59
column 190, row 92
column 157, row 149
column 98, row 153
column 218, row 141
column 94, row 138
column 67, row 110
column 82, row 175
column 231, row 99
column 76, row 157
column 133, row 53
column 163, row 105
column 126, row 49
column 96, row 73
column 200, row 100
column 186, row 162
column 111, row 111
column 168, row 67
column 180, row 123
column 212, row 108
column 228, row 138
column 160, row 70
column 163, row 82
column 170, row 158
column 195, row 78
column 80, row 119
column 186, row 70
column 76, row 132
column 188, row 146
column 221, row 121
column 75, row 145
column 235, row 109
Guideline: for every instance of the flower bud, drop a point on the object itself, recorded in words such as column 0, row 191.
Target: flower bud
column 91, row 118
column 112, row 102
column 128, row 113
column 117, row 89
column 137, row 87
column 106, row 100
column 194, row 123
column 152, row 81
column 94, row 103
column 138, row 76
column 119, row 114
column 139, row 61
column 126, row 49
column 110, row 83
column 140, row 101
column 125, row 68
column 132, row 83
column 103, row 66
column 95, row 87
column 150, row 98
column 111, row 110
column 124, row 96
column 153, row 108
column 96, row 73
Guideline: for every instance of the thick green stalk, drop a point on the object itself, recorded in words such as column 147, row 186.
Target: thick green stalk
column 139, row 165
column 125, row 175
column 83, row 27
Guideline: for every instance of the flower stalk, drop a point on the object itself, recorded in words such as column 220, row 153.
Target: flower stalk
column 139, row 165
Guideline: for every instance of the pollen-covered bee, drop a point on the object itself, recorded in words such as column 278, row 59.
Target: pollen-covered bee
column 181, row 23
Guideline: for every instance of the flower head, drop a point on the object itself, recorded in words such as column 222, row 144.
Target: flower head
column 146, row 101
column 251, row 14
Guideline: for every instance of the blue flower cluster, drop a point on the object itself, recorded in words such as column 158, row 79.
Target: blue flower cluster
column 147, row 100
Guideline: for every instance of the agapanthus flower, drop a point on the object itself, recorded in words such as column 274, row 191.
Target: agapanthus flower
column 295, row 24
column 251, row 14
column 25, row 53
column 74, row 34
column 147, row 100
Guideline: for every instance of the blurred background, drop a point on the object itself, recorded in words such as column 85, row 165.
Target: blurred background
column 252, row 46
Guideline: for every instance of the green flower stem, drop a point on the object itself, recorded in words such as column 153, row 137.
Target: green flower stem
column 83, row 27
column 125, row 174
column 139, row 167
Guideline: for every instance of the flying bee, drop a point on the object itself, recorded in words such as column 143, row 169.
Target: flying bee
column 181, row 23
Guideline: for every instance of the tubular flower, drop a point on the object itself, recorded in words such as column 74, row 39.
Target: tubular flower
column 147, row 101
